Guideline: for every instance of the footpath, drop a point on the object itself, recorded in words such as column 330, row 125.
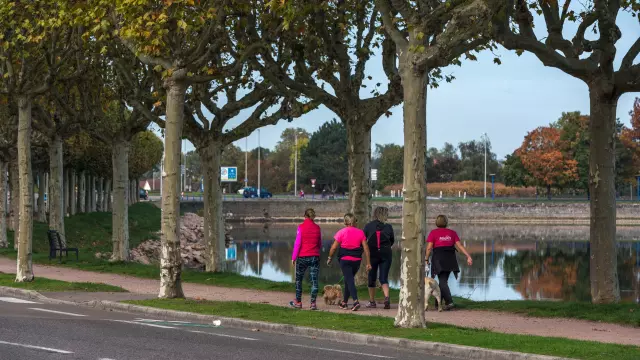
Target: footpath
column 495, row 321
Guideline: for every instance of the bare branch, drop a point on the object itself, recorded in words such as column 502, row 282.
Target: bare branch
column 631, row 55
column 385, row 11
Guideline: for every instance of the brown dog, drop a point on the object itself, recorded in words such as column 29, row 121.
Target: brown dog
column 431, row 287
column 332, row 293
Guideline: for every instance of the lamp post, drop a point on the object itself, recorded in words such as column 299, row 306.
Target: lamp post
column 258, row 163
column 493, row 191
column 295, row 165
column 246, row 161
column 485, row 139
column 638, row 179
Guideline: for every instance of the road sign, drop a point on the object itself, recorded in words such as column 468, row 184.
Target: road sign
column 374, row 174
column 183, row 169
column 228, row 174
column 313, row 182
column 230, row 253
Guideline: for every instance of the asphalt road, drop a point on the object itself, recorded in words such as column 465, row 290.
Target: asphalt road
column 30, row 330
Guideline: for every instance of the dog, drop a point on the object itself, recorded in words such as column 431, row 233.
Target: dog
column 332, row 293
column 431, row 288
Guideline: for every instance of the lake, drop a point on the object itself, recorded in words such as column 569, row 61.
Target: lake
column 510, row 262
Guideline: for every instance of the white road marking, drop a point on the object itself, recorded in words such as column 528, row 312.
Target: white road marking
column 223, row 335
column 58, row 351
column 179, row 322
column 105, row 359
column 16, row 301
column 145, row 324
column 57, row 312
column 342, row 351
column 148, row 320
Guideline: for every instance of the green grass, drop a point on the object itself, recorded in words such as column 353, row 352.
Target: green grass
column 92, row 233
column 43, row 284
column 382, row 326
column 625, row 313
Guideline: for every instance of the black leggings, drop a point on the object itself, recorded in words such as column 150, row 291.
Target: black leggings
column 383, row 262
column 443, row 281
column 349, row 270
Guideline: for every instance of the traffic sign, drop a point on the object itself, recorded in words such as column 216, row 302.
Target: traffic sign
column 374, row 174
column 313, row 182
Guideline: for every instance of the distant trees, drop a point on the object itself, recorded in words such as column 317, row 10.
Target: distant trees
column 325, row 158
column 390, row 158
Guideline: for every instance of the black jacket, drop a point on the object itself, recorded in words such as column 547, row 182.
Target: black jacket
column 444, row 259
column 386, row 237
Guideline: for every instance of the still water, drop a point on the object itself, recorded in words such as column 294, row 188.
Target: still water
column 509, row 262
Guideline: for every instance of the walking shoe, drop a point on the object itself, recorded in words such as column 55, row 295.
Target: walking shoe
column 387, row 303
column 448, row 307
column 314, row 306
column 356, row 306
column 370, row 305
column 342, row 305
column 295, row 304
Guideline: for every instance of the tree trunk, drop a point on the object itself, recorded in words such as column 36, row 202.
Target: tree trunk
column 170, row 258
column 103, row 191
column 42, row 213
column 14, row 199
column 214, row 233
column 24, row 271
column 359, row 153
column 93, row 193
column 137, row 187
column 548, row 191
column 87, row 193
column 120, row 214
column 109, row 204
column 411, row 303
column 73, row 199
column 82, row 192
column 65, row 184
column 4, row 243
column 56, row 187
column 602, row 233
column 100, row 201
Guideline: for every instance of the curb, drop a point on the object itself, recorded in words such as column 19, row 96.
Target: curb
column 431, row 348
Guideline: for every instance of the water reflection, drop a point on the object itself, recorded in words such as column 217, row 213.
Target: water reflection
column 509, row 262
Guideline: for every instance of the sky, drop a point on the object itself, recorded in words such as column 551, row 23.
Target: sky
column 505, row 101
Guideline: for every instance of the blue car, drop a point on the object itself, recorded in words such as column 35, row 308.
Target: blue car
column 251, row 192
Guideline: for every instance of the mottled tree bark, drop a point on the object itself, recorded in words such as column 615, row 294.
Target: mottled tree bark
column 41, row 211
column 73, row 198
column 14, row 199
column 120, row 214
column 214, row 233
column 82, row 192
column 603, row 263
column 4, row 243
column 109, row 200
column 170, row 258
column 100, row 201
column 359, row 154
column 24, row 271
column 411, row 303
column 56, row 187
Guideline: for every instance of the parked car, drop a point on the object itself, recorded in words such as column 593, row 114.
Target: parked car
column 144, row 194
column 251, row 192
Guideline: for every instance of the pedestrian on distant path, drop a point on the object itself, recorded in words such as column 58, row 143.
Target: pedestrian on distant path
column 306, row 255
column 352, row 243
column 444, row 243
column 380, row 239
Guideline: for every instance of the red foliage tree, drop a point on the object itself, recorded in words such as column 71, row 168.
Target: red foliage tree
column 541, row 154
column 630, row 137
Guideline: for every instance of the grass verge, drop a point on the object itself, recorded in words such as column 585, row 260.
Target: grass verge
column 382, row 326
column 43, row 284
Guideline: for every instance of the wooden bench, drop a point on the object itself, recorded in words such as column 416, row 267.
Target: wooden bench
column 56, row 244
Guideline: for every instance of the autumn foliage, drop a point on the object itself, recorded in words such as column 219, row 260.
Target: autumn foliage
column 541, row 154
column 630, row 137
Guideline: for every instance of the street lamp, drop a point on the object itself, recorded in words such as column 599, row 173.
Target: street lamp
column 258, row 163
column 493, row 192
column 485, row 139
column 295, row 165
column 638, row 179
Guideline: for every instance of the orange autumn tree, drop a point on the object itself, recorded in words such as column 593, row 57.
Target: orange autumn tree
column 541, row 154
column 630, row 137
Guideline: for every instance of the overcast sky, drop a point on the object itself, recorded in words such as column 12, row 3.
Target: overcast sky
column 505, row 101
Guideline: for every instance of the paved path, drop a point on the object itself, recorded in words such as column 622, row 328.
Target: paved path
column 499, row 322
column 32, row 330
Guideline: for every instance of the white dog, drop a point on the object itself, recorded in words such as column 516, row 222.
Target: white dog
column 431, row 288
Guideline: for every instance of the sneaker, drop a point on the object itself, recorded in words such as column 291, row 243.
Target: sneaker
column 370, row 305
column 295, row 304
column 387, row 304
column 356, row 306
column 448, row 307
column 313, row 306
column 342, row 305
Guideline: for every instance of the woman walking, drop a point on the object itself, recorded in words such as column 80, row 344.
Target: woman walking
column 444, row 242
column 352, row 243
column 380, row 239
column 306, row 255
